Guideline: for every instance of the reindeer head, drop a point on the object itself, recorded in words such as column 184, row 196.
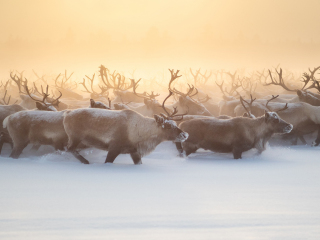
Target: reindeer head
column 168, row 124
column 95, row 104
column 170, row 129
column 185, row 99
column 42, row 105
column 276, row 124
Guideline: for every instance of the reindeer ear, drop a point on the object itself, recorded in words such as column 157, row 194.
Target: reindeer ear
column 299, row 93
column 40, row 106
column 24, row 97
column 159, row 120
column 146, row 102
column 266, row 115
column 181, row 99
column 92, row 103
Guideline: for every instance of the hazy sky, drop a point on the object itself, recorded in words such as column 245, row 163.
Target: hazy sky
column 140, row 34
column 270, row 19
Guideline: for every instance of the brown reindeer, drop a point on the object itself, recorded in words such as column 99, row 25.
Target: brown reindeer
column 235, row 135
column 119, row 132
column 36, row 127
column 21, row 126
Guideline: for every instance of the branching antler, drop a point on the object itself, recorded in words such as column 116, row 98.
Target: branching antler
column 311, row 77
column 114, row 80
column 279, row 82
column 282, row 109
column 242, row 102
column 175, row 111
column 18, row 80
column 273, row 97
column 64, row 82
column 174, row 76
column 93, row 93
column 251, row 101
column 4, row 99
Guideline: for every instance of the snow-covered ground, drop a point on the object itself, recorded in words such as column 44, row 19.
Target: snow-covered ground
column 207, row 196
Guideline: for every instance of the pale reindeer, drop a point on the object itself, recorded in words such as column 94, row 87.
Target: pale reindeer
column 119, row 132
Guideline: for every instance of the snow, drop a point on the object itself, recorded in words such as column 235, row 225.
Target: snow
column 50, row 195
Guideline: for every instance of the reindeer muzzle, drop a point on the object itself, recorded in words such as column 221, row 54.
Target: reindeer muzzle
column 182, row 137
column 288, row 128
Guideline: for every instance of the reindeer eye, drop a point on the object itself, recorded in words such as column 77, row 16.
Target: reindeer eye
column 275, row 120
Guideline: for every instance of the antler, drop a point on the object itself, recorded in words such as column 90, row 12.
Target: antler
column 4, row 99
column 18, row 80
column 311, row 77
column 251, row 101
column 248, row 111
column 174, row 76
column 206, row 78
column 63, row 82
column 282, row 109
column 36, row 100
column 273, row 97
column 195, row 76
column 206, row 99
column 280, row 82
column 175, row 111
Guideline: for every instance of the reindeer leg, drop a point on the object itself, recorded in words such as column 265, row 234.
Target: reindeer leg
column 304, row 142
column 17, row 150
column 189, row 148
column 1, row 143
column 136, row 158
column 59, row 146
column 179, row 148
column 112, row 154
column 317, row 141
column 35, row 147
column 237, row 152
column 294, row 141
column 72, row 149
column 77, row 155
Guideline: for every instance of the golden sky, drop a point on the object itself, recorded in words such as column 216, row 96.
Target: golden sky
column 180, row 18
column 166, row 29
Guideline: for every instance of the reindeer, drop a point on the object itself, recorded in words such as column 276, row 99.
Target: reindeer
column 151, row 105
column 119, row 132
column 304, row 117
column 47, row 103
column 5, row 111
column 117, row 82
column 67, row 88
column 235, row 135
column 36, row 127
column 29, row 99
column 186, row 102
column 96, row 104
column 103, row 94
column 26, row 127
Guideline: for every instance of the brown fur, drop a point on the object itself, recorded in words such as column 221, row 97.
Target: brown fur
column 5, row 111
column 36, row 127
column 119, row 132
column 234, row 135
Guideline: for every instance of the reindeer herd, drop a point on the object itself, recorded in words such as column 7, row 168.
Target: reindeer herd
column 219, row 111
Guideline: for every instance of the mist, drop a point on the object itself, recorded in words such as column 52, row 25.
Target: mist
column 51, row 36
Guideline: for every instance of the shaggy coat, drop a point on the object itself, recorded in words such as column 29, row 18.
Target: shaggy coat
column 118, row 132
column 36, row 127
column 235, row 135
column 5, row 111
